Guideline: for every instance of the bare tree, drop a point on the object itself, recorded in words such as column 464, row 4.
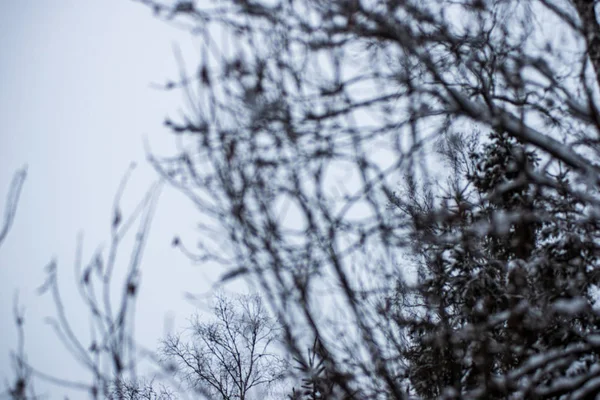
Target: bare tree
column 304, row 117
column 231, row 355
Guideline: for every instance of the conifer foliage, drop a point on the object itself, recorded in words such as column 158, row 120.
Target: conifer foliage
column 507, row 282
column 316, row 384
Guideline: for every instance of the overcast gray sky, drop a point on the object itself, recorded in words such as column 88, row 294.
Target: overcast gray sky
column 75, row 105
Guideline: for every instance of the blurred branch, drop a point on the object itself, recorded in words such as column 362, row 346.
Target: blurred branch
column 110, row 352
column 12, row 201
column 22, row 388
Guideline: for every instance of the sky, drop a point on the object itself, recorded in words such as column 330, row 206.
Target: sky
column 76, row 105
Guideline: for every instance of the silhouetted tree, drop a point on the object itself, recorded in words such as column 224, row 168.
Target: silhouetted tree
column 303, row 117
column 232, row 355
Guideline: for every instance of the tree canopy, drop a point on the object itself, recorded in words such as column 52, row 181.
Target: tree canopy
column 305, row 119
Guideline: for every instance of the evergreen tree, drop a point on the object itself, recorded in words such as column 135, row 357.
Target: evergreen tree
column 507, row 273
column 316, row 382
